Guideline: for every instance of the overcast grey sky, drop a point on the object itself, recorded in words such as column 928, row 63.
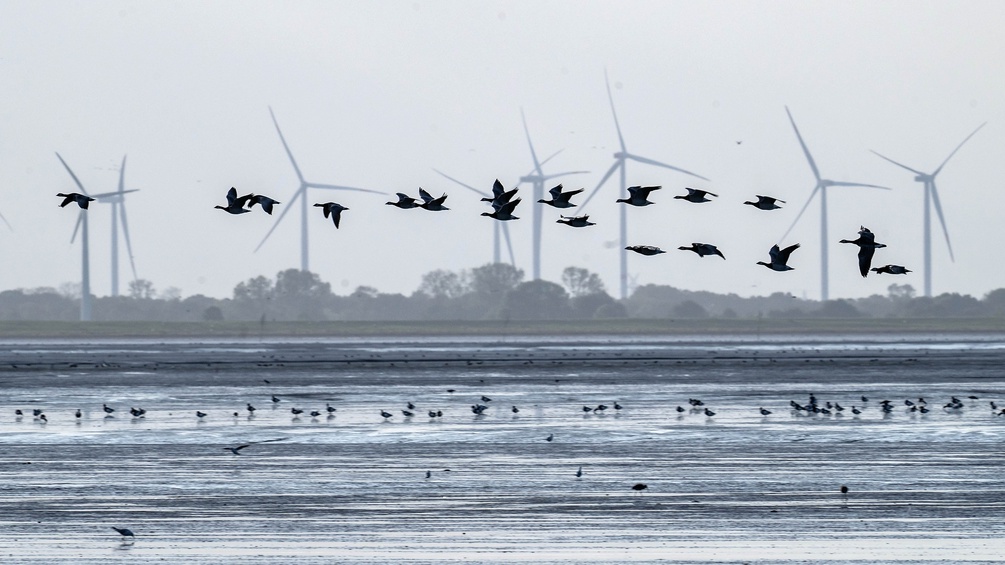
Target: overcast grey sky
column 377, row 94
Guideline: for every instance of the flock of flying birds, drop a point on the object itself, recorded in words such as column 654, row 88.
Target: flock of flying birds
column 504, row 205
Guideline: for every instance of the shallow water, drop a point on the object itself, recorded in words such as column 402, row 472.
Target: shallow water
column 735, row 487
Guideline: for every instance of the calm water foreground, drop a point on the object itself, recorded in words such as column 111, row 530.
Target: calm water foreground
column 352, row 487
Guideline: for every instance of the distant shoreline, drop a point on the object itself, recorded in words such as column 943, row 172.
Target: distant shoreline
column 618, row 327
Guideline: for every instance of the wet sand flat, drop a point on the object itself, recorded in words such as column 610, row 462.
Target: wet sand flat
column 351, row 487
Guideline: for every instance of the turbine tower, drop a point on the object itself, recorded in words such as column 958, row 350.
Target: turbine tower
column 537, row 179
column 820, row 187
column 932, row 197
column 117, row 200
column 85, row 265
column 301, row 193
column 498, row 227
column 621, row 159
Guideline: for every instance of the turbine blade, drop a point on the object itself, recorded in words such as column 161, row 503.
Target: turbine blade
column 555, row 175
column 664, row 165
column 552, row 156
column 942, row 219
column 901, row 165
column 509, row 244
column 286, row 147
column 112, row 194
column 800, row 215
column 340, row 187
column 6, row 222
column 607, row 175
column 617, row 126
column 958, row 148
column 813, row 164
column 300, row 193
column 76, row 228
column 75, row 179
column 122, row 175
column 125, row 232
column 467, row 186
column 845, row 183
column 533, row 154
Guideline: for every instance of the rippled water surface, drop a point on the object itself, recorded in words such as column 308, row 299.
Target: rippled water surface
column 352, row 487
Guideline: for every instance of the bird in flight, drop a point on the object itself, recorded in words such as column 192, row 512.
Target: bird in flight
column 765, row 203
column 645, row 249
column 264, row 201
column 430, row 203
column 576, row 221
column 867, row 247
column 696, row 195
column 404, row 202
column 703, row 249
column 505, row 212
column 82, row 200
column 779, row 258
column 638, row 195
column 334, row 210
column 891, row 270
column 560, row 199
column 235, row 203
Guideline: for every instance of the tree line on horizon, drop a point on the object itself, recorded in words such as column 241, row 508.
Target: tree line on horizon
column 495, row 291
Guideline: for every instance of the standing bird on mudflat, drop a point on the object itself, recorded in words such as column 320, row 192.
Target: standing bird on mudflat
column 404, row 202
column 504, row 212
column 264, row 201
column 645, row 249
column 334, row 210
column 82, row 200
column 124, row 532
column 638, row 195
column 703, row 249
column 235, row 203
column 891, row 270
column 765, row 203
column 560, row 199
column 430, row 203
column 867, row 247
column 576, row 221
column 779, row 258
column 696, row 195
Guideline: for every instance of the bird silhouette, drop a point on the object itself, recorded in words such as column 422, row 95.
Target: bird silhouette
column 235, row 204
column 500, row 195
column 645, row 249
column 703, row 249
column 504, row 212
column 124, row 532
column 891, row 270
column 236, row 450
column 404, row 202
column 779, row 258
column 334, row 210
column 82, row 200
column 638, row 195
column 576, row 221
column 765, row 203
column 696, row 195
column 867, row 247
column 430, row 203
column 264, row 201
column 560, row 199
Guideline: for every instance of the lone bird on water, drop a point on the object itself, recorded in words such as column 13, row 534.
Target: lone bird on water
column 779, row 258
column 638, row 195
column 334, row 210
column 703, row 249
column 236, row 450
column 235, row 204
column 696, row 195
column 867, row 247
column 82, row 200
column 645, row 249
column 107, row 409
column 639, row 487
column 124, row 532
column 765, row 203
column 560, row 199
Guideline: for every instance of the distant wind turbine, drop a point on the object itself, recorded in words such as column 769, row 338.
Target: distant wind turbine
column 821, row 187
column 537, row 179
column 117, row 200
column 499, row 227
column 301, row 193
column 620, row 163
column 932, row 197
column 85, row 277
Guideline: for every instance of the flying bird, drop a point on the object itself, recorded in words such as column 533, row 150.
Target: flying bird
column 576, row 221
column 82, row 200
column 703, row 249
column 264, row 201
column 867, row 247
column 560, row 199
column 500, row 195
column 334, row 210
column 645, row 249
column 638, row 195
column 765, row 203
column 504, row 212
column 696, row 195
column 891, row 270
column 235, row 204
column 404, row 202
column 430, row 203
column 779, row 258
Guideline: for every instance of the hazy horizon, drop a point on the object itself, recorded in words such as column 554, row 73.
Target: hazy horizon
column 378, row 94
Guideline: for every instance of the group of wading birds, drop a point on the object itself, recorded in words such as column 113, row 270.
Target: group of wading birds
column 504, row 203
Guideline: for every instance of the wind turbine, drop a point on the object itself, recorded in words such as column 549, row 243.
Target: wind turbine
column 932, row 197
column 621, row 159
column 301, row 193
column 85, row 276
column 117, row 200
column 821, row 187
column 537, row 179
column 497, row 226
